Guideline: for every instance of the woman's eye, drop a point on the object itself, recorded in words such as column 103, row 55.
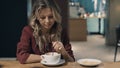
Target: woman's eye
column 42, row 17
column 50, row 17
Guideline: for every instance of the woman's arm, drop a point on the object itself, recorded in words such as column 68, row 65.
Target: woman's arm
column 24, row 48
column 67, row 46
column 33, row 58
column 58, row 46
column 66, row 56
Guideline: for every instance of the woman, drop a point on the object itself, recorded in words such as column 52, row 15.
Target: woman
column 43, row 34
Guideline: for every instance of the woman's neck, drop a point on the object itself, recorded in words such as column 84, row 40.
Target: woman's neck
column 45, row 31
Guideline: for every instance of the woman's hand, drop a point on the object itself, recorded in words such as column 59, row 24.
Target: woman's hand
column 58, row 46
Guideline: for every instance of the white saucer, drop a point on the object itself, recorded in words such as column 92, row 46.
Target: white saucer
column 89, row 62
column 62, row 61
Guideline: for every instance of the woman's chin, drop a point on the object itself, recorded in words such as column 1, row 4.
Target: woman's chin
column 47, row 27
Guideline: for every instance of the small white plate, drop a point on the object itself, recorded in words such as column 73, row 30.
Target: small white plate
column 62, row 61
column 89, row 62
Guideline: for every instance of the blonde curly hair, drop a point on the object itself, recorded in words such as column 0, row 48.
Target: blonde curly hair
column 55, row 31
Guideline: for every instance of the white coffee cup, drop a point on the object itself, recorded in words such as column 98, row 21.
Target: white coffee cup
column 51, row 57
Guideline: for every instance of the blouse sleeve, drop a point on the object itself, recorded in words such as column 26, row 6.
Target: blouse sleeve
column 66, row 43
column 23, row 47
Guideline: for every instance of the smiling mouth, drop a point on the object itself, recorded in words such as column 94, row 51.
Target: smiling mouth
column 48, row 25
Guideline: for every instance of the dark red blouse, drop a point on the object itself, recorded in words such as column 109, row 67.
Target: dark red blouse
column 27, row 45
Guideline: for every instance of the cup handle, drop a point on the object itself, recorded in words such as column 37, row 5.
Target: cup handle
column 43, row 59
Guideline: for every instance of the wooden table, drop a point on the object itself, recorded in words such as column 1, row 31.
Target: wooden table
column 16, row 64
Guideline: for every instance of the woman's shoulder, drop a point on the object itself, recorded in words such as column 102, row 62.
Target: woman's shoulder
column 28, row 28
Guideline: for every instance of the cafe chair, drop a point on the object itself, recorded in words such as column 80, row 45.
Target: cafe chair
column 117, row 41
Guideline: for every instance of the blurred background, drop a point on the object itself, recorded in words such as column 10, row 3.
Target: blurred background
column 84, row 20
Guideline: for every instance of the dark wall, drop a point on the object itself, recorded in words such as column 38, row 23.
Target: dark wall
column 13, row 16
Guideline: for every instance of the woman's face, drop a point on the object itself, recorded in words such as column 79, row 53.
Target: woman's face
column 46, row 18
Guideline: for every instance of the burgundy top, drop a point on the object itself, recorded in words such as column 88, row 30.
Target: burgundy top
column 27, row 45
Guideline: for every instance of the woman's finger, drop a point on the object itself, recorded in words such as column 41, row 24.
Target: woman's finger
column 54, row 44
column 59, row 48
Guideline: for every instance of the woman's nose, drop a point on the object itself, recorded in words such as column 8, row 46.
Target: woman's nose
column 46, row 20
